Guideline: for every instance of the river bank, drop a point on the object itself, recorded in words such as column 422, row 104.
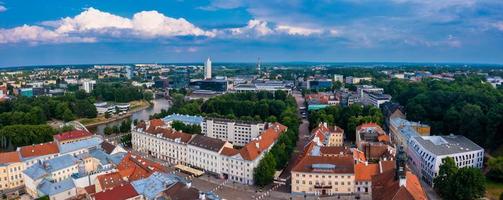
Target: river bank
column 91, row 123
column 139, row 113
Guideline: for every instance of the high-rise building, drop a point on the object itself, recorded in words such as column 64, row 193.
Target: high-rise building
column 207, row 69
column 88, row 85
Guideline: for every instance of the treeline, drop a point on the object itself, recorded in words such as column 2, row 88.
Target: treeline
column 124, row 127
column 119, row 92
column 348, row 118
column 14, row 136
column 466, row 106
column 37, row 110
column 186, row 128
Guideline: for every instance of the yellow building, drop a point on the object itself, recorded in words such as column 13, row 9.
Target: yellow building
column 323, row 175
column 10, row 171
column 328, row 136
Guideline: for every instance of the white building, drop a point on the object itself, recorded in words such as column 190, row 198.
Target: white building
column 427, row 152
column 338, row 77
column 211, row 155
column 361, row 89
column 207, row 69
column 374, row 99
column 88, row 85
column 234, row 131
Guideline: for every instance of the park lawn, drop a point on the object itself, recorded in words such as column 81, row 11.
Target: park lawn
column 493, row 189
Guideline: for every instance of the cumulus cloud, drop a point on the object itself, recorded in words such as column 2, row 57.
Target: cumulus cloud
column 145, row 24
column 3, row 8
column 253, row 28
column 91, row 24
column 37, row 34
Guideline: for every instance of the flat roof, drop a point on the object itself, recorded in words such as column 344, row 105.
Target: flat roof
column 445, row 145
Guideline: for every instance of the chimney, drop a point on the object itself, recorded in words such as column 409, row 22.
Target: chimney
column 257, row 145
column 202, row 196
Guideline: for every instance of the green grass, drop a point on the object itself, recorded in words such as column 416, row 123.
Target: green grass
column 493, row 189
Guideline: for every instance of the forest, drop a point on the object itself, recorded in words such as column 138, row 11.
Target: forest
column 466, row 106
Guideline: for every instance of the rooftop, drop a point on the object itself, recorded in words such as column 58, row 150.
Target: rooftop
column 325, row 164
column 124, row 191
column 9, row 157
column 87, row 143
column 446, row 145
column 189, row 119
column 110, row 180
column 208, row 143
column 59, row 163
column 180, row 191
column 156, row 183
column 71, row 135
column 52, row 188
column 41, row 149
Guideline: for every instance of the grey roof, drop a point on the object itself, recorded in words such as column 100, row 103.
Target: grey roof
column 156, row 183
column 187, row 119
column 105, row 158
column 117, row 157
column 405, row 127
column 60, row 162
column 49, row 188
column 445, row 145
column 35, row 172
column 205, row 142
column 83, row 144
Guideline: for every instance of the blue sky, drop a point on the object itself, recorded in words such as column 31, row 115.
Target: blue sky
column 122, row 31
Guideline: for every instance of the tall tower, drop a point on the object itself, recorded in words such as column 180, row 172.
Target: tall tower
column 258, row 66
column 207, row 69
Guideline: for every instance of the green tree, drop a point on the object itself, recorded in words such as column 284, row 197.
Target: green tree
column 108, row 130
column 126, row 140
column 263, row 174
column 453, row 183
column 496, row 168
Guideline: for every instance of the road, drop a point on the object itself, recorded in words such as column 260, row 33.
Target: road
column 301, row 142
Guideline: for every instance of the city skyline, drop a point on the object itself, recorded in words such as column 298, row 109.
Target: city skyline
column 81, row 32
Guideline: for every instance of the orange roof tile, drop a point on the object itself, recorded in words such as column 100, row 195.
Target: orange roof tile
column 385, row 186
column 9, row 157
column 110, row 180
column 121, row 192
column 134, row 167
column 39, row 149
column 70, row 135
column 268, row 137
column 365, row 172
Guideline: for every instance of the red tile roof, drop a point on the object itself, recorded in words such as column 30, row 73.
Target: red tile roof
column 9, row 157
column 365, row 172
column 153, row 124
column 39, row 149
column 250, row 151
column 134, row 167
column 71, row 135
column 385, row 186
column 90, row 189
column 171, row 134
column 120, row 192
column 110, row 180
column 343, row 164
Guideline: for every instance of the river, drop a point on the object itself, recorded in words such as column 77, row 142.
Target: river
column 159, row 104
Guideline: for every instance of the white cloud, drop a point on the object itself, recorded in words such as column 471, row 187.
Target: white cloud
column 153, row 24
column 92, row 19
column 253, row 28
column 37, row 34
column 3, row 8
column 223, row 4
column 295, row 30
column 259, row 28
column 92, row 24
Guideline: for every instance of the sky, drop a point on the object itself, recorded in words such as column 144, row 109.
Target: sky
column 34, row 32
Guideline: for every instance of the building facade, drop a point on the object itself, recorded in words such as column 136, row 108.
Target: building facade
column 236, row 132
column 427, row 152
